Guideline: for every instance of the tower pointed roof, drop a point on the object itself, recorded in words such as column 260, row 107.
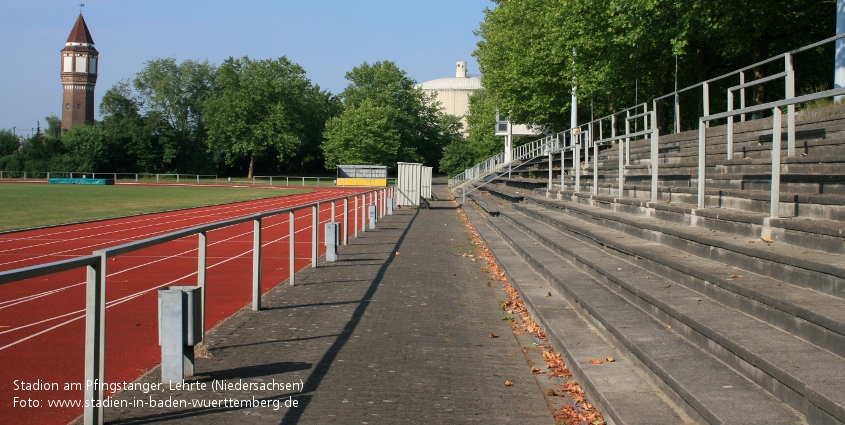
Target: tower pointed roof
column 79, row 33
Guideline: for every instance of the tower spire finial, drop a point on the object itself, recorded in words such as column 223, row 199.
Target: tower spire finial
column 81, row 5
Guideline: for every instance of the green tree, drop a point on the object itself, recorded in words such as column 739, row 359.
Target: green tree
column 9, row 143
column 88, row 148
column 259, row 106
column 532, row 52
column 382, row 96
column 175, row 94
column 54, row 126
column 321, row 106
column 135, row 134
column 362, row 134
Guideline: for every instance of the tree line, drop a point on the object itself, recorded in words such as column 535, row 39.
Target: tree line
column 245, row 116
column 532, row 52
column 620, row 52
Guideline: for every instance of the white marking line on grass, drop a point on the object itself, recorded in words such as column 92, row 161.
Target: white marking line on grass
column 94, row 246
column 138, row 294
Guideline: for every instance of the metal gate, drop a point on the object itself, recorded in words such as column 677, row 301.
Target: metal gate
column 408, row 184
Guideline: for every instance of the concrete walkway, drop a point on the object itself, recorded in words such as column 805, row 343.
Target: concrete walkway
column 397, row 331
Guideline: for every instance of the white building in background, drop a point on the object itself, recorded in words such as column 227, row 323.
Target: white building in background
column 453, row 93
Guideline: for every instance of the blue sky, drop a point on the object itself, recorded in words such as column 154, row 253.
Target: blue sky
column 326, row 37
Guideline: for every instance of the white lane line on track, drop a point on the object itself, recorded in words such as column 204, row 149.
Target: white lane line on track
column 217, row 210
column 93, row 246
column 130, row 297
column 209, row 216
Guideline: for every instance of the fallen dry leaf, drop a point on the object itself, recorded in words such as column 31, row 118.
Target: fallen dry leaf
column 493, row 336
column 736, row 276
column 609, row 359
column 767, row 240
column 508, row 383
column 568, row 415
column 668, row 326
column 537, row 371
column 397, row 252
column 596, row 361
column 551, row 393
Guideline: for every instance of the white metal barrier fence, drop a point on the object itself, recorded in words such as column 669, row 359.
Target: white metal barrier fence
column 581, row 136
column 96, row 273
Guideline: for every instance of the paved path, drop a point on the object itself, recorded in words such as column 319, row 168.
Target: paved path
column 397, row 331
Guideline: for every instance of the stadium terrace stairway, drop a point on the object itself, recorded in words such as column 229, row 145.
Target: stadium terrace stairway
column 720, row 315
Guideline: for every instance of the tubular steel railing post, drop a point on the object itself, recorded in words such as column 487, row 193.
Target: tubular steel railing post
column 621, row 158
column 355, row 222
column 702, row 136
column 627, row 132
column 292, row 246
column 315, row 233
column 363, row 223
column 705, row 88
column 790, row 113
column 95, row 334
column 730, row 130
column 562, row 165
column 776, row 144
column 742, row 95
column 256, row 264
column 595, row 162
column 677, row 113
column 202, row 246
column 586, row 148
column 345, row 220
column 655, row 138
column 551, row 161
column 577, row 162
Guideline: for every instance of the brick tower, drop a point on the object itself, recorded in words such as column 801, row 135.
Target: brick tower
column 79, row 76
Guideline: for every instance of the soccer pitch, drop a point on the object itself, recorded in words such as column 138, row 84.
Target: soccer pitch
column 24, row 205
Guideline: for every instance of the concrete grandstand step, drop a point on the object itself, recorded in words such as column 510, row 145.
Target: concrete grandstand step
column 759, row 146
column 813, row 269
column 762, row 352
column 486, row 202
column 707, row 385
column 619, row 389
column 811, row 315
column 820, row 226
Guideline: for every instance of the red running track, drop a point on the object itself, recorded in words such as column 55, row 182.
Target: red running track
column 42, row 320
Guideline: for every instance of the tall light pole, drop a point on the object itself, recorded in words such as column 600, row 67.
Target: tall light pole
column 839, row 70
column 573, row 118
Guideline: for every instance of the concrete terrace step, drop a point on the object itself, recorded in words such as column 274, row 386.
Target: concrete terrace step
column 618, row 389
column 821, row 225
column 485, row 202
column 707, row 386
column 822, row 164
column 814, row 316
column 749, row 345
column 813, row 269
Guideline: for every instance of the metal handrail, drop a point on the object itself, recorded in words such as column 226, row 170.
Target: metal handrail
column 633, row 113
column 95, row 310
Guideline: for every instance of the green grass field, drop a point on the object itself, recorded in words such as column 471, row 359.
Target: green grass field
column 24, row 205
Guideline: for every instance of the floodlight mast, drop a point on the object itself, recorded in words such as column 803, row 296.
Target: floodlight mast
column 839, row 67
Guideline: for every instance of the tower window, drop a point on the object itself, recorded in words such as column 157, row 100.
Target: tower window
column 78, row 106
column 67, row 106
